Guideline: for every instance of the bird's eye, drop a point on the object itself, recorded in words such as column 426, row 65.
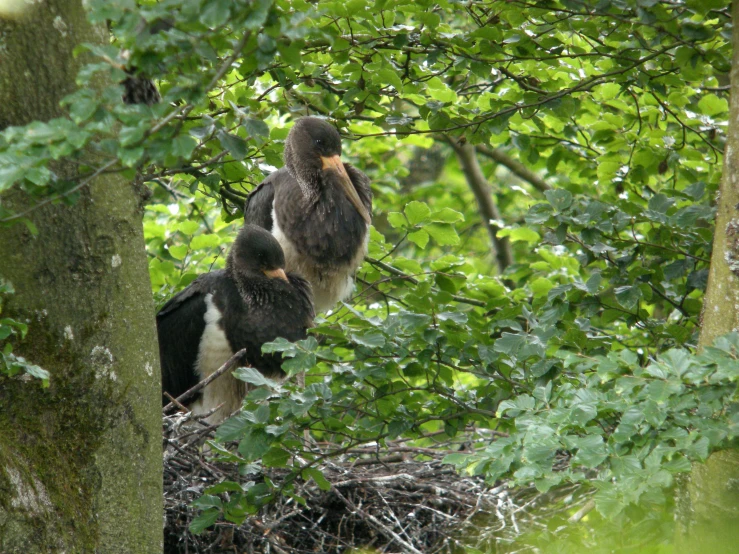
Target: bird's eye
column 318, row 142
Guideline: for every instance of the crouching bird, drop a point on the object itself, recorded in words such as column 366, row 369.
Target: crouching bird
column 319, row 210
column 250, row 302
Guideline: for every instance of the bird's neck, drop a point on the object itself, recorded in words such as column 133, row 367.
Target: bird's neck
column 248, row 284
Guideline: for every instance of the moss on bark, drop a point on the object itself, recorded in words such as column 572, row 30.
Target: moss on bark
column 80, row 463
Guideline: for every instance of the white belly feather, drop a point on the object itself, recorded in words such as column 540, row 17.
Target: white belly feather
column 213, row 352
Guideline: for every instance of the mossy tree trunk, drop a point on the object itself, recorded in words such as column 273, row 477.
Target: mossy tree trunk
column 80, row 462
column 708, row 502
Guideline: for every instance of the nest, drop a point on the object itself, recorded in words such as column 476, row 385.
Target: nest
column 397, row 499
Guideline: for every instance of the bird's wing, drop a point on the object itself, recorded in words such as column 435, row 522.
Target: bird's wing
column 305, row 295
column 258, row 208
column 180, row 326
column 362, row 185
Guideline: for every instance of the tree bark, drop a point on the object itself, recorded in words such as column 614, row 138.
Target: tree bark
column 80, row 462
column 708, row 501
column 467, row 157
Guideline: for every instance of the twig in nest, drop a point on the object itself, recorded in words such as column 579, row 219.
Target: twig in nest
column 174, row 401
column 378, row 524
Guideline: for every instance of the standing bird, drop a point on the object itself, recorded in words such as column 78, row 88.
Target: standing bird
column 318, row 209
column 251, row 302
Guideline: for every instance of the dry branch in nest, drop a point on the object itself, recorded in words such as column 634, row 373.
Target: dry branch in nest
column 390, row 500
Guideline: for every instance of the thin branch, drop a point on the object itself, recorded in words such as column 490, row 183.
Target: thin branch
column 399, row 273
column 514, row 166
column 232, row 361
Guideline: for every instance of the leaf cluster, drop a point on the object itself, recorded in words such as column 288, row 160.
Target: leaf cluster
column 10, row 364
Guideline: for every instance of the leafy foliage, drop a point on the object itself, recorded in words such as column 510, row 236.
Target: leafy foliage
column 10, row 364
column 573, row 364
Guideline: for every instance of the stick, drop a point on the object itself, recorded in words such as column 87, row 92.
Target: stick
column 173, row 400
column 205, row 382
column 582, row 512
column 377, row 524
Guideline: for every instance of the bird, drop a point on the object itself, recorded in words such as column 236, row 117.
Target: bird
column 250, row 302
column 139, row 90
column 318, row 208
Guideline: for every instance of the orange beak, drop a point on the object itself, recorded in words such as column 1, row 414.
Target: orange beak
column 278, row 273
column 334, row 163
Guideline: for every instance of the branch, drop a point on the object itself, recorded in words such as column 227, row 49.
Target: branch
column 514, row 166
column 99, row 171
column 489, row 212
column 232, row 361
column 394, row 271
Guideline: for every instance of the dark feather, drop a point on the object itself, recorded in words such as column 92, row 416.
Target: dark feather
column 258, row 208
column 140, row 90
column 327, row 228
column 182, row 321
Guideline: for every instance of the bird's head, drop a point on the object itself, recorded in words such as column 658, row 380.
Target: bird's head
column 313, row 157
column 254, row 253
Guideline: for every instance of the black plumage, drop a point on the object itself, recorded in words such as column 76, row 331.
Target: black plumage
column 250, row 302
column 319, row 210
column 139, row 90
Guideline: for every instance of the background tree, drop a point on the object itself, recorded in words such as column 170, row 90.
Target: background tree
column 707, row 515
column 565, row 357
column 80, row 457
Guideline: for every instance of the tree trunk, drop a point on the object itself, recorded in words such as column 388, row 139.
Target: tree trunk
column 80, row 462
column 708, row 501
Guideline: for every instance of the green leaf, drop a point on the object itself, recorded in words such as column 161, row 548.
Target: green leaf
column 420, row 238
column 254, row 377
column 560, row 199
column 276, row 457
column 129, row 157
column 302, row 361
column 372, row 339
column 188, row 227
column 628, row 296
column 541, row 286
column 607, row 502
column 235, row 145
column 318, row 477
column 215, row 12
column 207, row 501
column 178, row 252
column 255, row 444
column 257, row 129
column 183, row 145
column 446, row 215
column 417, row 212
column 443, row 234
column 390, row 77
column 518, row 234
column 591, row 451
column 440, row 91
column 397, row 220
column 224, row 486
column 201, row 242
column 711, row 104
column 204, row 520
